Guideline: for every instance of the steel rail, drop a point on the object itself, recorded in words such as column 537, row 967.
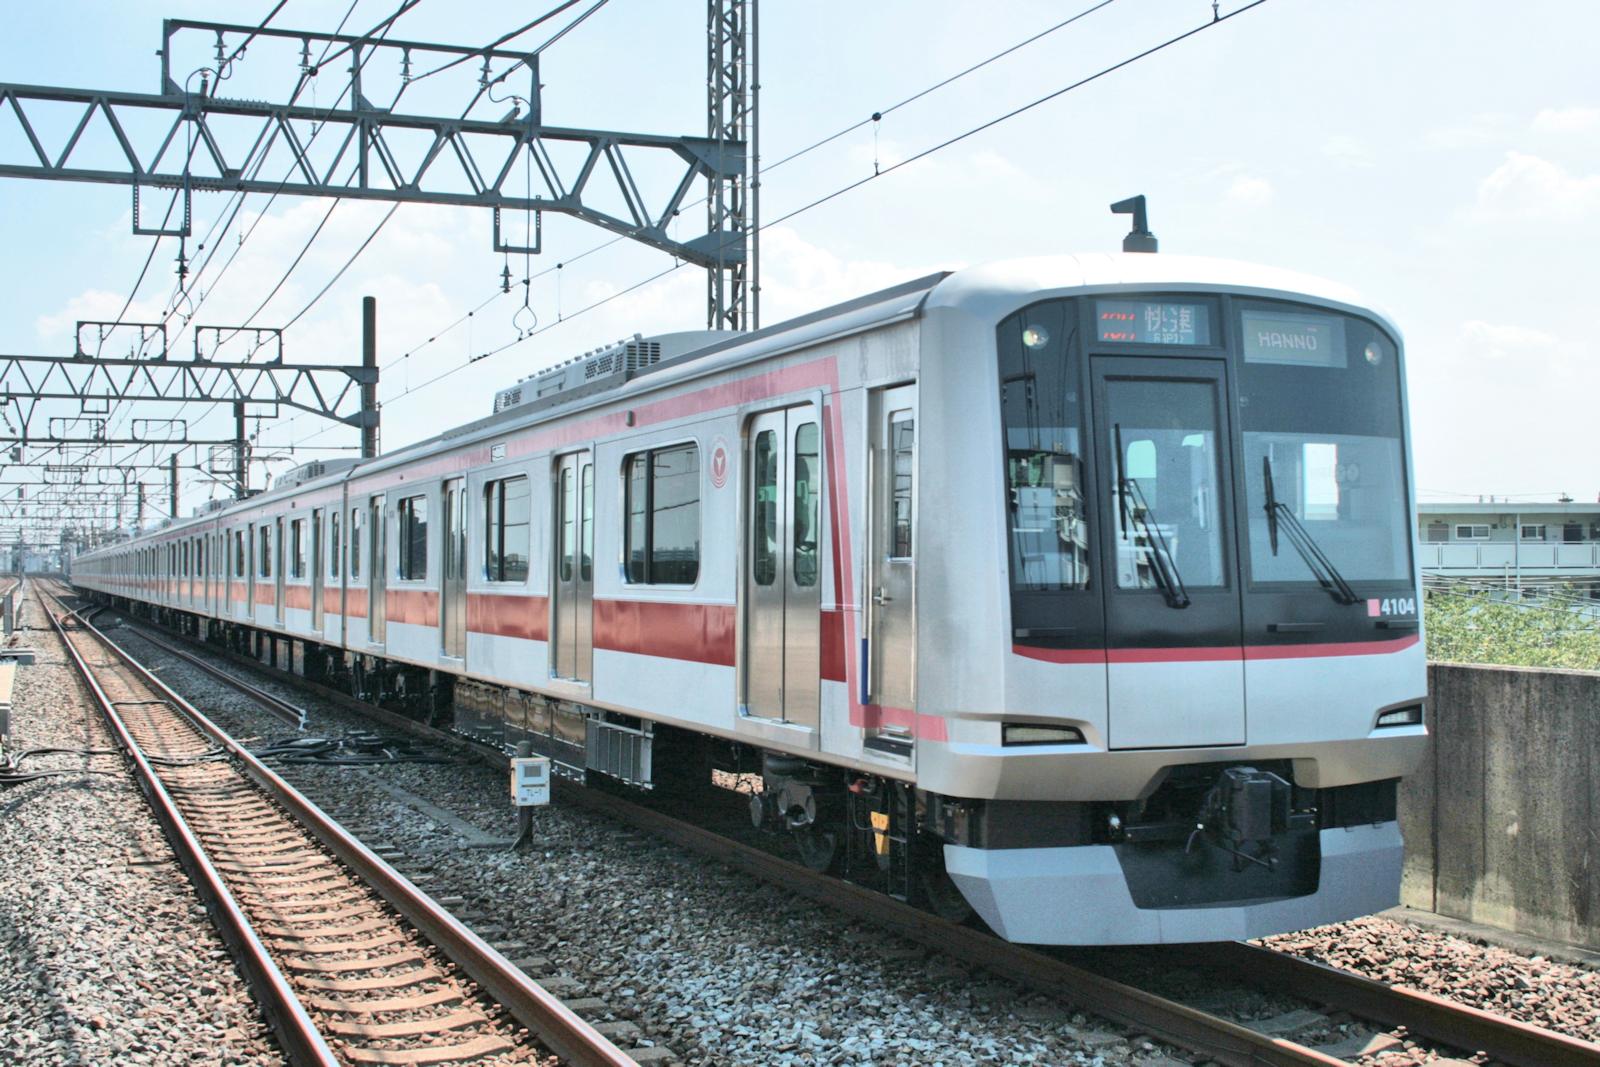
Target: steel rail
column 301, row 1040
column 557, row 1026
column 1509, row 1041
column 293, row 713
column 1437, row 1019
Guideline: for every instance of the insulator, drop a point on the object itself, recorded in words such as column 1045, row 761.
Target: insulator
column 505, row 278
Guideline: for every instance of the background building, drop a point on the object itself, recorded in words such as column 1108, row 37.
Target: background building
column 1518, row 546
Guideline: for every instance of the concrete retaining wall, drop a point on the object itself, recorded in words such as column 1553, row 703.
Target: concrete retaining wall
column 1500, row 821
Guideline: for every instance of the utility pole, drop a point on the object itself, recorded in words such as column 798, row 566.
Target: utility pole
column 241, row 461
column 731, row 96
column 138, row 514
column 174, row 485
column 369, row 388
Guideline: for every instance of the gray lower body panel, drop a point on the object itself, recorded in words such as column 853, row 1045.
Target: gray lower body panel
column 1079, row 895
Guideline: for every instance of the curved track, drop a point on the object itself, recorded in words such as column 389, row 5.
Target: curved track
column 1434, row 1018
column 351, row 963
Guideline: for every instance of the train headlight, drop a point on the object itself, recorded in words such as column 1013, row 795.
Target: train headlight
column 1407, row 716
column 1035, row 336
column 1017, row 733
column 1373, row 353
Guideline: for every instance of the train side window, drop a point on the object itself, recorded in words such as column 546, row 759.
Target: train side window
column 264, row 553
column 902, row 443
column 355, row 543
column 661, row 540
column 238, row 553
column 807, row 504
column 764, row 545
column 586, row 511
column 297, row 549
column 506, row 504
column 1041, row 413
column 414, row 537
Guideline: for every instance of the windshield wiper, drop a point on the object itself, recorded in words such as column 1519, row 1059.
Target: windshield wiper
column 1166, row 567
column 1321, row 566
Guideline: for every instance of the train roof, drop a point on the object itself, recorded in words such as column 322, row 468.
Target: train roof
column 1017, row 282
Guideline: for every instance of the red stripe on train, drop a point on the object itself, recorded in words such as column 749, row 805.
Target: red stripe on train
column 1209, row 655
column 415, row 607
column 701, row 633
column 834, row 652
column 526, row 617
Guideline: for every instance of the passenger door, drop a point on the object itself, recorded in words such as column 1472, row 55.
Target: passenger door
column 377, row 572
column 278, row 556
column 251, row 575
column 453, row 582
column 572, row 584
column 891, row 565
column 316, row 572
column 1174, row 630
column 783, row 600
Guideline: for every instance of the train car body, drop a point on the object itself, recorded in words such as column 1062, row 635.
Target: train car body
column 1080, row 587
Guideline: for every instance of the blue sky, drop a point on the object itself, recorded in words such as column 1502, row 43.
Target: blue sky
column 1442, row 158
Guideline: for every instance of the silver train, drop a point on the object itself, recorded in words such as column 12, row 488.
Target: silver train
column 1075, row 591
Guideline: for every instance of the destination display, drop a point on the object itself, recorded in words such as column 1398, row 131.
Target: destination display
column 1296, row 339
column 1150, row 322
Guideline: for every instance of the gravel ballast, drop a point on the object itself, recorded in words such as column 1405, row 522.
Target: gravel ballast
column 1533, row 989
column 723, row 969
column 705, row 961
column 106, row 954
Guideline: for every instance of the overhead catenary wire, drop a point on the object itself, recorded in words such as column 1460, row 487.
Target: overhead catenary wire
column 240, row 197
column 380, row 30
column 567, row 261
column 1166, row 43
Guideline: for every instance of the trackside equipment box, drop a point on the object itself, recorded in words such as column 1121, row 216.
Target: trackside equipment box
column 530, row 781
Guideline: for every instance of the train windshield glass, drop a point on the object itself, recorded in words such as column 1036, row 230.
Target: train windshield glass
column 1319, row 404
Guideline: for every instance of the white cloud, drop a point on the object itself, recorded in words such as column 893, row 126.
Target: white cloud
column 1567, row 120
column 1498, row 341
column 1529, row 187
column 1250, row 191
column 1351, row 151
column 1476, row 131
column 94, row 305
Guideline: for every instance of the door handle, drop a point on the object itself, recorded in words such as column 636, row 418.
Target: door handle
column 879, row 596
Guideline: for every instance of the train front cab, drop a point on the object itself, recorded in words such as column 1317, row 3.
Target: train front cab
column 1212, row 672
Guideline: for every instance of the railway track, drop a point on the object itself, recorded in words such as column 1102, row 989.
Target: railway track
column 1433, row 1018
column 351, row 963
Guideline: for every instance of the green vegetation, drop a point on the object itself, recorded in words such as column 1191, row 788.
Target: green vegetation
column 1471, row 627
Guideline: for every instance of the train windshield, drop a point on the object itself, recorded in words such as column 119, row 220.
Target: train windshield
column 1324, row 464
column 1299, row 406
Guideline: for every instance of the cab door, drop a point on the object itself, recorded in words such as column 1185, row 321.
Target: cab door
column 783, row 603
column 1174, row 632
column 891, row 566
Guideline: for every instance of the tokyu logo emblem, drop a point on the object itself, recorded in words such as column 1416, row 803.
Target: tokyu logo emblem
column 1399, row 605
column 719, row 463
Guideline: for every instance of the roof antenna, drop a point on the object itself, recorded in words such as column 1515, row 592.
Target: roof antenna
column 1139, row 239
